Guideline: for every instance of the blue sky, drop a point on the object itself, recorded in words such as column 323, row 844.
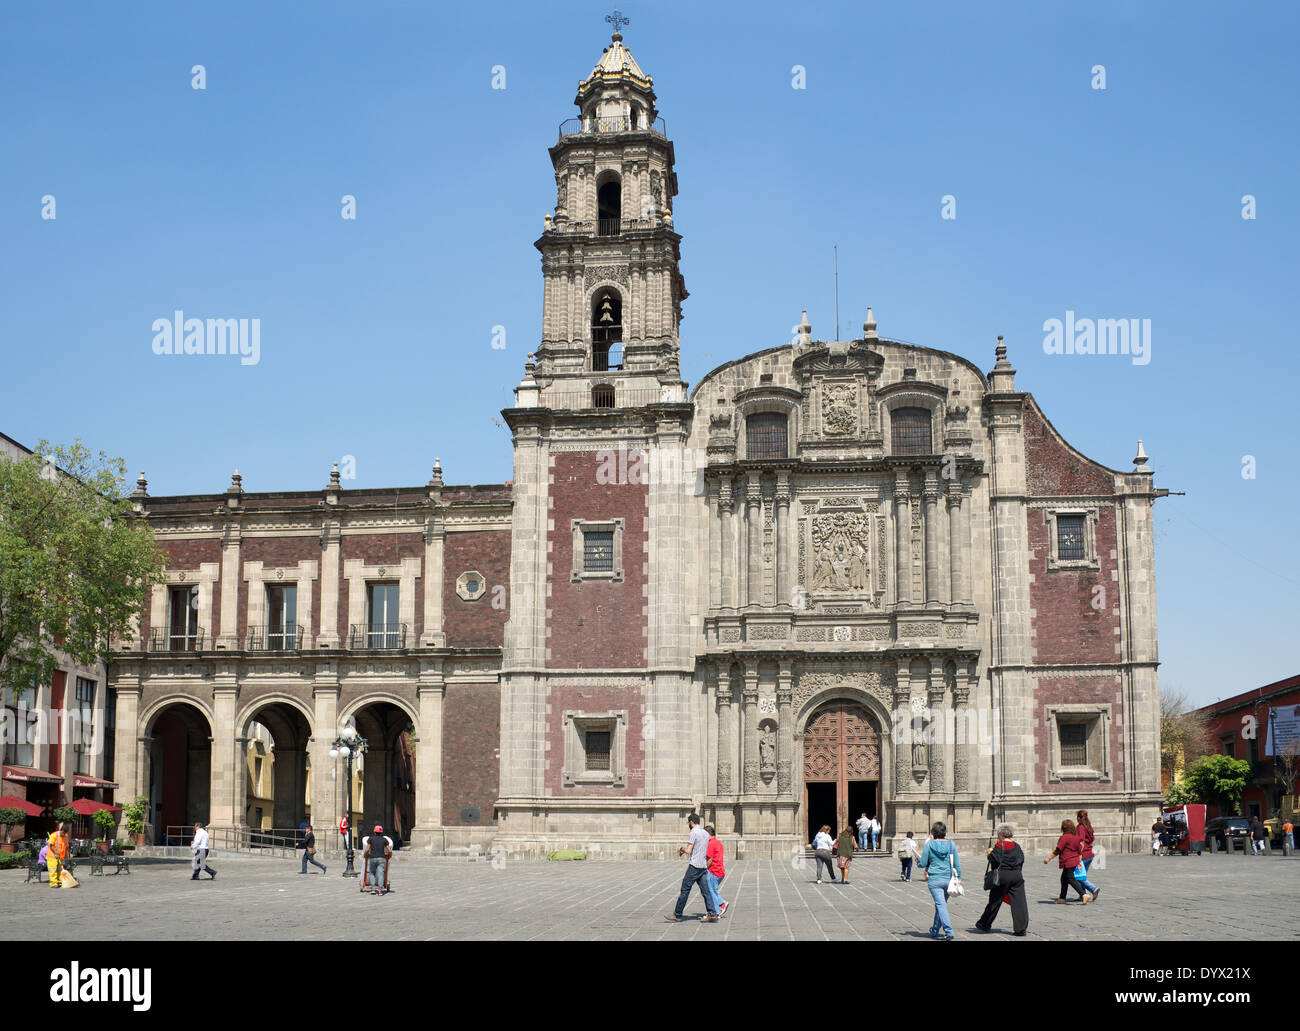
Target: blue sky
column 376, row 333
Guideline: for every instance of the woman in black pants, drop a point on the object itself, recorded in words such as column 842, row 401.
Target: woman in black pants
column 1070, row 848
column 822, row 845
column 1006, row 861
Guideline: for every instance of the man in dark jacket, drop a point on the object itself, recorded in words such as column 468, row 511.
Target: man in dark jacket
column 1006, row 862
column 309, row 850
column 1258, row 836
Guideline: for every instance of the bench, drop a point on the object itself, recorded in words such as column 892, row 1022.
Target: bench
column 119, row 863
column 39, row 872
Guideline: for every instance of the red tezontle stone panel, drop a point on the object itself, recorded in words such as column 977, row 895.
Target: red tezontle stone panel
column 595, row 624
column 471, row 719
column 479, row 623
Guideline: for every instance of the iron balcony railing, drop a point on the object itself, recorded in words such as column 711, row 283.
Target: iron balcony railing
column 582, row 126
column 164, row 640
column 288, row 639
column 579, row 400
column 380, row 635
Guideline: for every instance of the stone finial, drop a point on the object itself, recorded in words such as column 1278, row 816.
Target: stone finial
column 805, row 332
column 546, row 223
column 141, row 486
column 1140, row 459
column 869, row 327
column 1000, row 352
column 1003, row 377
column 436, row 481
column 334, row 477
column 236, row 483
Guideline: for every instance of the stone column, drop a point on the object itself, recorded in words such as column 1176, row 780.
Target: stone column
column 288, row 802
column 435, row 536
column 228, row 758
column 958, row 541
column 229, row 638
column 938, row 739
column 962, row 745
column 934, row 572
column 726, row 750
column 754, row 532
column 903, row 711
column 749, row 747
column 781, row 528
column 786, row 752
column 902, row 541
column 328, row 791
column 727, row 545
column 430, row 692
column 128, row 766
column 327, row 634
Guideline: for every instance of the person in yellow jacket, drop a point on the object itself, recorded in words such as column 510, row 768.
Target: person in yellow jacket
column 55, row 856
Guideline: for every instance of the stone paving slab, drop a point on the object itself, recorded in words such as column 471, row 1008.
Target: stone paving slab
column 1143, row 898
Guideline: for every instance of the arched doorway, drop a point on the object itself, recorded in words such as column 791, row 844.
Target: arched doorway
column 276, row 767
column 180, row 770
column 841, row 765
column 388, row 770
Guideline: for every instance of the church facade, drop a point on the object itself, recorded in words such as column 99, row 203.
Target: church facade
column 834, row 577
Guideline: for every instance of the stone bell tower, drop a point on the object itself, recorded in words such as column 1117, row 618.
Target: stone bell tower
column 596, row 711
column 612, row 288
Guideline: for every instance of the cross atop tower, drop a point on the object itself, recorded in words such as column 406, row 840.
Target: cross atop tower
column 617, row 20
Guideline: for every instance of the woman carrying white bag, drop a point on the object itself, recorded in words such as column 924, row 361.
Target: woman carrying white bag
column 943, row 866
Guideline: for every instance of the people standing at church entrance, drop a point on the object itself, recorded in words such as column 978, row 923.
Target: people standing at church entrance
column 864, row 830
column 1086, row 838
column 875, row 829
column 1005, row 882
column 822, row 843
column 697, row 867
column 1070, row 850
column 941, row 863
column 844, row 853
column 907, row 852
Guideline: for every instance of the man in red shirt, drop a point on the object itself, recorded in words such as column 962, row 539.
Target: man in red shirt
column 716, row 869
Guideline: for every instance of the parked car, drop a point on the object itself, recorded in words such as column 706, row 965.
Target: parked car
column 1223, row 830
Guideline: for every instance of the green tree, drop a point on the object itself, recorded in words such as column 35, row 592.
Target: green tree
column 1217, row 780
column 74, row 564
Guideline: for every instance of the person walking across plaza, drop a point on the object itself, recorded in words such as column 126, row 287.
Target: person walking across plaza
column 1069, row 849
column 907, row 852
column 1006, row 866
column 822, row 844
column 56, row 855
column 1288, row 832
column 309, row 849
column 844, row 853
column 1083, row 828
column 717, row 869
column 1258, row 837
column 200, row 846
column 942, row 864
column 697, row 867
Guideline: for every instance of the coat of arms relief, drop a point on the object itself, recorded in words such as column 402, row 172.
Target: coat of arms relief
column 841, row 552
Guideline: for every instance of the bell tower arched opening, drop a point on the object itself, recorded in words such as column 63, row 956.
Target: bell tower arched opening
column 606, row 331
column 609, row 206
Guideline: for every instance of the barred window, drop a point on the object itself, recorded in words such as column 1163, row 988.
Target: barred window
column 597, row 746
column 1069, row 538
column 598, row 551
column 911, row 431
column 765, row 435
column 1074, row 744
column 602, row 397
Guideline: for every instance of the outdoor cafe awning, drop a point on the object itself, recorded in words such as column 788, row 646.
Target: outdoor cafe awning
column 14, row 802
column 88, row 806
column 28, row 775
column 81, row 780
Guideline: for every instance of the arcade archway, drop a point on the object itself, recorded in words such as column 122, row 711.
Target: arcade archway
column 276, row 767
column 388, row 769
column 179, row 755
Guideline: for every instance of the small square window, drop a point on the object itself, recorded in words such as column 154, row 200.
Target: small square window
column 598, row 551
column 1070, row 545
column 597, row 746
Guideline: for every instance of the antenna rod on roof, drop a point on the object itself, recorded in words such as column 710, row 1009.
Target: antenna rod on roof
column 837, row 291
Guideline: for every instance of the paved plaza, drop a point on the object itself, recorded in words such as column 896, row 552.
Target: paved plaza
column 1142, row 898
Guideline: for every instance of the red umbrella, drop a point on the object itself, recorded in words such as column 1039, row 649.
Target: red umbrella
column 12, row 802
column 87, row 806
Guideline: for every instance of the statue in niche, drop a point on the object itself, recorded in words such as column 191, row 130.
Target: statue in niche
column 918, row 743
column 657, row 189
column 561, row 192
column 767, row 750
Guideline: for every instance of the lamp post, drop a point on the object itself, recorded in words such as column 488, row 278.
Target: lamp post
column 348, row 744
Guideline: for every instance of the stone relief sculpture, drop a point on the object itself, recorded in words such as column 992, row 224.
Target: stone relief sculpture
column 840, row 552
column 657, row 189
column 767, row 750
column 840, row 408
column 561, row 192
